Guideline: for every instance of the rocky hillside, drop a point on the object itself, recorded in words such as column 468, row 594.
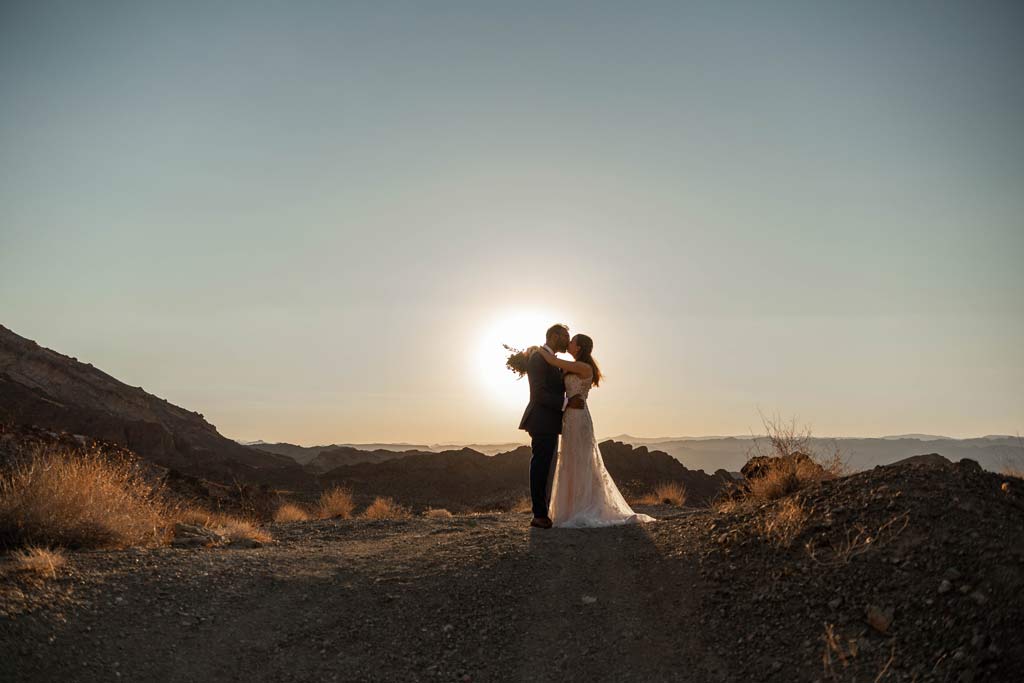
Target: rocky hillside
column 908, row 572
column 466, row 479
column 45, row 388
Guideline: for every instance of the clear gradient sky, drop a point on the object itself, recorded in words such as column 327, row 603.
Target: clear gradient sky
column 316, row 221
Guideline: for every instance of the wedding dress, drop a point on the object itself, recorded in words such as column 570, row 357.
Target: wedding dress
column 583, row 493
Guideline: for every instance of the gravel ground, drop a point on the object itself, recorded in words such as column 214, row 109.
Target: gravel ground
column 473, row 598
column 701, row 595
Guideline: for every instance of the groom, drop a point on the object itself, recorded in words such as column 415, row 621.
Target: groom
column 543, row 419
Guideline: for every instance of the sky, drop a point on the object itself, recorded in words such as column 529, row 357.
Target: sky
column 316, row 222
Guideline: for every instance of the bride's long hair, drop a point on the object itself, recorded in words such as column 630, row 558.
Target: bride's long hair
column 586, row 345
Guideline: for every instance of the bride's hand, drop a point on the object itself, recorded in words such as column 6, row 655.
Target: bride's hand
column 551, row 358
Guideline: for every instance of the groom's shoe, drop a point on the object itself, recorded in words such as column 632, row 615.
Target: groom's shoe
column 541, row 522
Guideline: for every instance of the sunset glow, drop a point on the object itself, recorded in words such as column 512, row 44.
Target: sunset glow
column 518, row 329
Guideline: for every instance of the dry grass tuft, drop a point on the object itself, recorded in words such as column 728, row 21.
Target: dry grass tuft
column 290, row 512
column 336, row 503
column 61, row 498
column 231, row 527
column 783, row 523
column 38, row 561
column 780, row 481
column 437, row 513
column 523, row 504
column 386, row 508
column 238, row 529
column 666, row 493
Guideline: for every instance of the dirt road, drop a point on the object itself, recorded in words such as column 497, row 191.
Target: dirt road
column 474, row 598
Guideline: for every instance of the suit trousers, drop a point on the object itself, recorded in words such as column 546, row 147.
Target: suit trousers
column 544, row 448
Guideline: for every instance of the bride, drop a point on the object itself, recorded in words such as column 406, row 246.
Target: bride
column 583, row 493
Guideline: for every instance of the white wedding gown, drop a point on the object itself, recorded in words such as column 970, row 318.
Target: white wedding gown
column 583, row 493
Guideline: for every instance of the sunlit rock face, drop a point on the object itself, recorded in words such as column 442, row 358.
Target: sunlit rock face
column 50, row 390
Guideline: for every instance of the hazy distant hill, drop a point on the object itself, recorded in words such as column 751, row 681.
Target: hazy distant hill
column 710, row 453
column 330, row 458
column 45, row 388
column 993, row 453
column 306, row 454
column 485, row 448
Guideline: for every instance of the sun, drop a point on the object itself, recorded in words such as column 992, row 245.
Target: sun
column 518, row 329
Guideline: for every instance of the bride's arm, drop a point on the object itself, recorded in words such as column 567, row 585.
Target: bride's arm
column 574, row 367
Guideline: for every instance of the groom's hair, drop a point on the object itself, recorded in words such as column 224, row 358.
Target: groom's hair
column 556, row 329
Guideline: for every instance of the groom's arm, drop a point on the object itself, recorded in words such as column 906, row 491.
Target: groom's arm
column 536, row 369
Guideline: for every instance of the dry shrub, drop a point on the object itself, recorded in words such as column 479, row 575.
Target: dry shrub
column 666, row 493
column 231, row 527
column 386, row 508
column 290, row 512
column 795, row 462
column 523, row 504
column 336, row 502
column 56, row 497
column 437, row 513
column 38, row 561
column 786, row 440
column 728, row 506
column 783, row 523
column 238, row 529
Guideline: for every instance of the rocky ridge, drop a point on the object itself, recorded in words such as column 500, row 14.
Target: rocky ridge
column 47, row 389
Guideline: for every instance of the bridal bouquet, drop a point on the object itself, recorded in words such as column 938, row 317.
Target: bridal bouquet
column 516, row 361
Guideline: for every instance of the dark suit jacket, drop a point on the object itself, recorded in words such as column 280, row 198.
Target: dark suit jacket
column 547, row 392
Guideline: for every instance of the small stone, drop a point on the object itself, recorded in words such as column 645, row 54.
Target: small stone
column 588, row 599
column 879, row 618
column 944, row 587
column 952, row 574
column 834, row 603
column 979, row 597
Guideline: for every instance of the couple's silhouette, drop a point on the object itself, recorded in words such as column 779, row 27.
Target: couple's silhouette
column 581, row 492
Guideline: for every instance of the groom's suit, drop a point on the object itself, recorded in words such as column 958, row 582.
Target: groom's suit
column 543, row 420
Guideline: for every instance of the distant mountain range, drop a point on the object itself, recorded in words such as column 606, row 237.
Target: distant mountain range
column 991, row 452
column 45, row 389
column 467, row 478
column 305, row 454
column 711, row 453
column 56, row 394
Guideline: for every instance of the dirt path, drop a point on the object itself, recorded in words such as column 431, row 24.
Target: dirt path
column 476, row 598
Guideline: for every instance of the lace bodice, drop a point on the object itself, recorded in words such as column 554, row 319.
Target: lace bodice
column 576, row 385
